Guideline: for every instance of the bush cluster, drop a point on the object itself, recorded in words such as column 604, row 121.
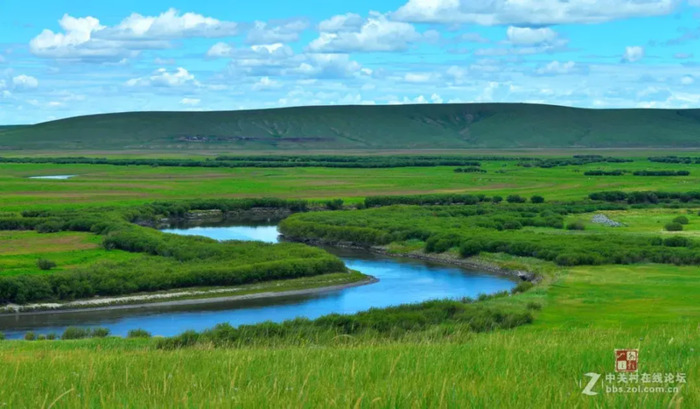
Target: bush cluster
column 391, row 322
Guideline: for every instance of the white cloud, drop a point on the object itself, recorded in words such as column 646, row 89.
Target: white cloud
column 190, row 101
column 633, row 54
column 531, row 36
column 530, row 12
column 86, row 38
column 285, row 32
column 328, row 66
column 343, row 22
column 557, row 68
column 266, row 83
column 418, row 77
column 377, row 33
column 24, row 82
column 220, row 50
column 163, row 78
column 687, row 80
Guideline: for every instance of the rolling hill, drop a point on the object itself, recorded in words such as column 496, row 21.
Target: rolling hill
column 447, row 126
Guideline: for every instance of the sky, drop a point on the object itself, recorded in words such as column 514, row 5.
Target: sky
column 66, row 58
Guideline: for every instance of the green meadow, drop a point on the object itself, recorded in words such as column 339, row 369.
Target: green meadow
column 581, row 313
column 106, row 185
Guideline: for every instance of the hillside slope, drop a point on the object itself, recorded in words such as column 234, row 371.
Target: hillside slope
column 445, row 126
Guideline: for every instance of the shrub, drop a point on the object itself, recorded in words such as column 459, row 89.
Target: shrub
column 512, row 225
column 30, row 336
column 577, row 225
column 522, row 287
column 681, row 220
column 45, row 264
column 497, row 199
column 2, row 336
column 138, row 333
column 75, row 333
column 537, row 199
column 335, row 204
column 515, row 199
column 99, row 332
column 41, row 337
column 51, row 336
column 677, row 241
column 470, row 248
column 674, row 226
column 534, row 306
column 49, row 227
column 657, row 241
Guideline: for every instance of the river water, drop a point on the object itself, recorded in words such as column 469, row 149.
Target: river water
column 401, row 281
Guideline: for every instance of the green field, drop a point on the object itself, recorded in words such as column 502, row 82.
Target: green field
column 21, row 249
column 129, row 185
column 404, row 127
column 581, row 313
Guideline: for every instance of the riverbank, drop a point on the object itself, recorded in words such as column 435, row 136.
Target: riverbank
column 440, row 258
column 313, row 285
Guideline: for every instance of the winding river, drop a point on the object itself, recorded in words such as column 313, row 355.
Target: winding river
column 400, row 281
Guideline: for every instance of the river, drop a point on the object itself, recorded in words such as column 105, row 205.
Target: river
column 401, row 281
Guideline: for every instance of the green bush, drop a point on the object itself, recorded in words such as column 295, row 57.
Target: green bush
column 138, row 333
column 99, row 332
column 537, row 199
column 515, row 199
column 522, row 287
column 51, row 336
column 75, row 333
column 681, row 220
column 41, row 337
column 30, row 336
column 497, row 199
column 577, row 225
column 335, row 204
column 2, row 336
column 677, row 241
column 391, row 322
column 534, row 306
column 45, row 264
column 674, row 226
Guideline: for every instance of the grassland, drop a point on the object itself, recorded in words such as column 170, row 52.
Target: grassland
column 587, row 311
column 20, row 251
column 116, row 185
column 435, row 126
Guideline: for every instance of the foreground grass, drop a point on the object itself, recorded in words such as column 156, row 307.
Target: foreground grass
column 587, row 313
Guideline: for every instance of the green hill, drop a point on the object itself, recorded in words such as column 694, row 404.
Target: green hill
column 448, row 126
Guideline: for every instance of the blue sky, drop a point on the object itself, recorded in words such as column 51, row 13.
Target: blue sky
column 67, row 58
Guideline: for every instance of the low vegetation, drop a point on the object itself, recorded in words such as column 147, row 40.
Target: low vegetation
column 166, row 262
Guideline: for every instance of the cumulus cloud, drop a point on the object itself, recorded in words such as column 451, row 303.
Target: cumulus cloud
column 162, row 78
column 190, row 101
column 376, row 33
column 557, row 68
column 530, row 12
column 266, row 83
column 220, row 50
column 328, row 66
column 531, row 36
column 687, row 80
column 633, row 54
column 85, row 38
column 282, row 32
column 343, row 22
column 23, row 82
